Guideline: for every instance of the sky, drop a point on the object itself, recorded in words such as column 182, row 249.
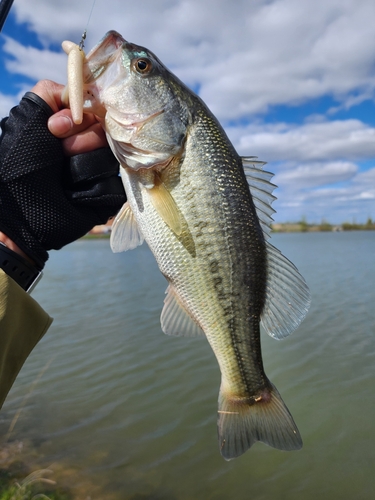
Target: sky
column 291, row 81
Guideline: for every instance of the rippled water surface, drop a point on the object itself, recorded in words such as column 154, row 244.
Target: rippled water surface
column 133, row 412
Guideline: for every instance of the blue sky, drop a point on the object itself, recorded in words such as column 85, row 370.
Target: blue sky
column 292, row 81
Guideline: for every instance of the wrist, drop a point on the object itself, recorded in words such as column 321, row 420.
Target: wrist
column 15, row 248
column 22, row 271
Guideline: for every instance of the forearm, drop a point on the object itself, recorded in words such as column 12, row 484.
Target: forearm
column 22, row 324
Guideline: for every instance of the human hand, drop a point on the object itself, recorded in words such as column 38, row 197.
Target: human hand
column 76, row 139
column 53, row 191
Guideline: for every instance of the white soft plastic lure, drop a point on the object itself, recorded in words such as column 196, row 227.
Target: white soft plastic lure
column 72, row 95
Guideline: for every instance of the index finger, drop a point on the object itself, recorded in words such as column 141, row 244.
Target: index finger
column 61, row 124
column 50, row 92
column 88, row 140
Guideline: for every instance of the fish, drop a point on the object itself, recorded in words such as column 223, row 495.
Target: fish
column 205, row 212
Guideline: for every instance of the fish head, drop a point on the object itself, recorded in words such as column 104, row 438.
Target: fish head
column 138, row 100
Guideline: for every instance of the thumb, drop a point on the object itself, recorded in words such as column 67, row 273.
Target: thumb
column 61, row 124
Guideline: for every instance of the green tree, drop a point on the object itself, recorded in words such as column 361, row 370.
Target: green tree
column 303, row 225
column 325, row 226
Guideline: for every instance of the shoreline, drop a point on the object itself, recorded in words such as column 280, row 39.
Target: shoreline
column 284, row 227
column 304, row 227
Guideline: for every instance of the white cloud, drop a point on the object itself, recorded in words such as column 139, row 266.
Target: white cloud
column 317, row 167
column 328, row 140
column 6, row 103
column 290, row 51
column 245, row 56
column 315, row 175
column 352, row 199
column 34, row 63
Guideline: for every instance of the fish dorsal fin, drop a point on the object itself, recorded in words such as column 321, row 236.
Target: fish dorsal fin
column 287, row 296
column 166, row 207
column 125, row 233
column 261, row 191
column 175, row 319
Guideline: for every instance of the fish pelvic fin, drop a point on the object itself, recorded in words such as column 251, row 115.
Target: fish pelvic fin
column 266, row 418
column 125, row 233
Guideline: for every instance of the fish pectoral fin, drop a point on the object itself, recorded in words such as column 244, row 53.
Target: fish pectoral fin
column 266, row 419
column 125, row 233
column 175, row 319
column 287, row 295
column 166, row 207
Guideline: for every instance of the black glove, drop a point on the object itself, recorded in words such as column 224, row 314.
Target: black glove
column 48, row 200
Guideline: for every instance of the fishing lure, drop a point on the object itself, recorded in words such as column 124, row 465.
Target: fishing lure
column 72, row 95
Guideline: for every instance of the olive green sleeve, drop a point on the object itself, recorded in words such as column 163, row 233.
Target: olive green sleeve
column 22, row 324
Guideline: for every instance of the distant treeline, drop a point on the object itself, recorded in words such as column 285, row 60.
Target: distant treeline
column 304, row 227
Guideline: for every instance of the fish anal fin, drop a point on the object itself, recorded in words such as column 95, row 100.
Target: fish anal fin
column 175, row 319
column 266, row 419
column 125, row 233
column 166, row 207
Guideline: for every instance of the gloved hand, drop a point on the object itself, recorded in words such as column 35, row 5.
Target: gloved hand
column 47, row 199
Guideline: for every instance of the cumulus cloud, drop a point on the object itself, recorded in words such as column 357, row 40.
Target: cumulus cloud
column 317, row 166
column 327, row 140
column 244, row 56
column 315, row 175
column 340, row 193
column 6, row 103
column 34, row 63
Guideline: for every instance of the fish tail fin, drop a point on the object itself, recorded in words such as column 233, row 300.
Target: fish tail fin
column 265, row 419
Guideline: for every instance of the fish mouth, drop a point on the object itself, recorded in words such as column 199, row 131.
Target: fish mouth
column 103, row 53
column 103, row 69
column 98, row 60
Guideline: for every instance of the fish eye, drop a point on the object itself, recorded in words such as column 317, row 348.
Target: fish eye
column 142, row 66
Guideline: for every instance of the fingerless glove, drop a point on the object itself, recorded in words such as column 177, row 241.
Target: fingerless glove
column 48, row 200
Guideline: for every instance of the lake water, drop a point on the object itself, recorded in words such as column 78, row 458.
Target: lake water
column 121, row 411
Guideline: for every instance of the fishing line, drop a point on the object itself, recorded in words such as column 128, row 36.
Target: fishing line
column 83, row 37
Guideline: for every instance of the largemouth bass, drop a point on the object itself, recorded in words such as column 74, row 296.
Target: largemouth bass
column 205, row 213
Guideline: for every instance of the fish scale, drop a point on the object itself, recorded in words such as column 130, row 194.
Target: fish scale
column 189, row 198
column 216, row 188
